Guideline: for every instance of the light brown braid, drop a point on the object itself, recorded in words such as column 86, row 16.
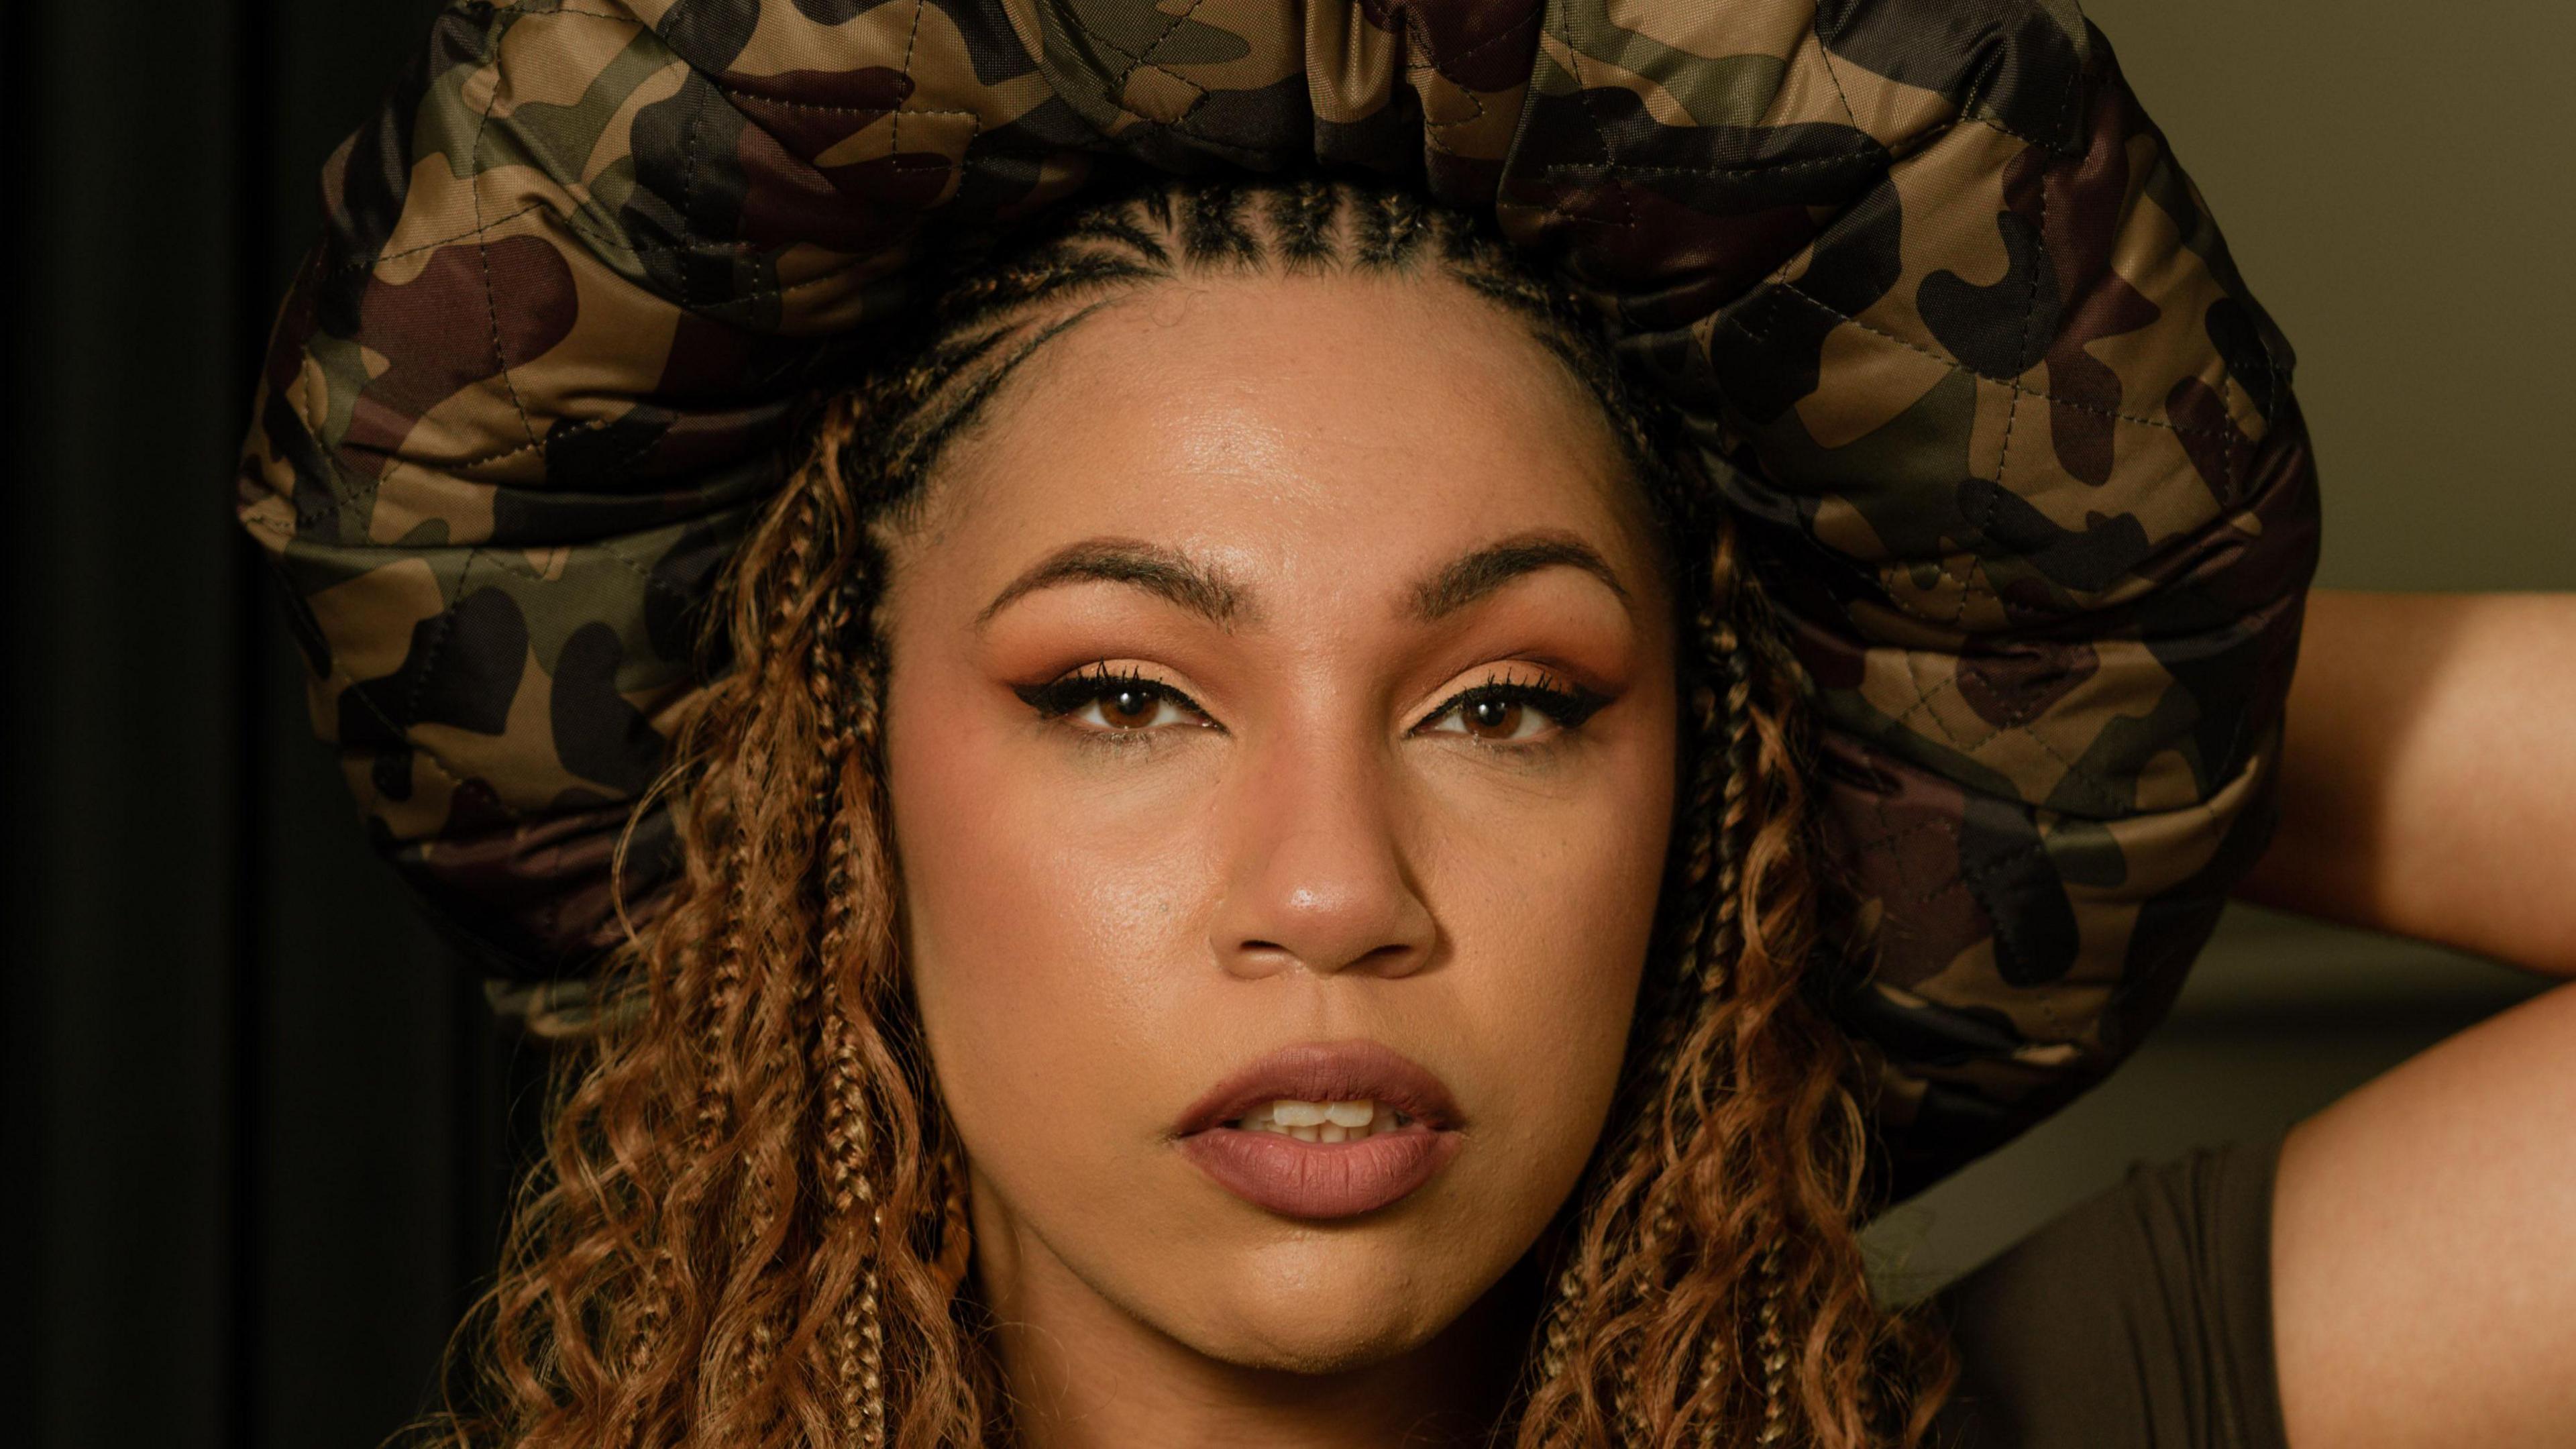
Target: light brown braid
column 750, row 1231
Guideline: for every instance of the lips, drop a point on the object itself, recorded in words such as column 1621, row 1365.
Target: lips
column 1323, row 1180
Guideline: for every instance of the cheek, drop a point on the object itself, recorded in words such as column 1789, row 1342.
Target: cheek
column 1051, row 938
column 1552, row 935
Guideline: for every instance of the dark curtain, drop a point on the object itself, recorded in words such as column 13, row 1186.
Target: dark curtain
column 256, row 1114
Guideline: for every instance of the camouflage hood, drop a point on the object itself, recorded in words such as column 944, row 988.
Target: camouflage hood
column 2018, row 447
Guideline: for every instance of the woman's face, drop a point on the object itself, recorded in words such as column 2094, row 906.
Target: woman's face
column 1192, row 820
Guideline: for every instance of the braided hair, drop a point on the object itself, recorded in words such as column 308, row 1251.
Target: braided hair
column 750, row 1230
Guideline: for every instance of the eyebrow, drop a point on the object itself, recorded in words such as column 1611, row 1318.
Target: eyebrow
column 1479, row 574
column 1149, row 566
column 1207, row 592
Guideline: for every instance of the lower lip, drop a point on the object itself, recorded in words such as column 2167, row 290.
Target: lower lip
column 1320, row 1179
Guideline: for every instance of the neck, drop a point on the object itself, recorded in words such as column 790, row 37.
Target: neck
column 1083, row 1373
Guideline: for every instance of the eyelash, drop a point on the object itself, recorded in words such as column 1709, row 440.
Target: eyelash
column 1061, row 697
column 1567, row 706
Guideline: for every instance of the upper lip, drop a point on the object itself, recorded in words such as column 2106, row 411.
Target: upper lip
column 1342, row 1071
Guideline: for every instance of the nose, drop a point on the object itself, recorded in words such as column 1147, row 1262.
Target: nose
column 1317, row 877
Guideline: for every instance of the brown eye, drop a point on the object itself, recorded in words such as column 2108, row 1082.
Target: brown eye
column 1510, row 712
column 1128, row 708
column 1101, row 702
column 1492, row 719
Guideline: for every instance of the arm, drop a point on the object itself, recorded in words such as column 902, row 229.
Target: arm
column 2424, row 1280
column 2430, row 778
column 2424, row 1277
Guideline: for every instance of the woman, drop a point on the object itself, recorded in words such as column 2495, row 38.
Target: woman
column 1259, row 610
column 1312, row 756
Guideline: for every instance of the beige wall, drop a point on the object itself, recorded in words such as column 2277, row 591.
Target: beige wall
column 2398, row 181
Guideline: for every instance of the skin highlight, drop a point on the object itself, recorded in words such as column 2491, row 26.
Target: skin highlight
column 1101, row 921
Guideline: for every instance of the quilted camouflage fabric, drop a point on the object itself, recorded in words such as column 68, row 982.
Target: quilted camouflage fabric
column 2019, row 447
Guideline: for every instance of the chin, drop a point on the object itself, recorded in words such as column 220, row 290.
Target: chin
column 1314, row 1338
column 1321, row 1304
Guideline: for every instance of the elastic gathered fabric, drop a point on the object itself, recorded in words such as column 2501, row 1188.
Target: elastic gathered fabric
column 2015, row 449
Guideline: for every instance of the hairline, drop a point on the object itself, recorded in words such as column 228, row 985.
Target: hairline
column 906, row 512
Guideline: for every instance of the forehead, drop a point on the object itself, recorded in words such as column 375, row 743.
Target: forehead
column 1293, row 425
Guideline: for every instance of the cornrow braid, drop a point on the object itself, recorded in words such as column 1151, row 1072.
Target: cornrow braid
column 1214, row 236
column 844, row 679
column 1728, row 661
column 858, row 1344
column 1772, row 1350
column 1302, row 215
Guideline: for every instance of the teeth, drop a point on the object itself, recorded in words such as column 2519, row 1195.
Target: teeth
column 1349, row 1114
column 1345, row 1121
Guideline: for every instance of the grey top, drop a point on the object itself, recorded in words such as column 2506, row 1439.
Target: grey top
column 2141, row 1319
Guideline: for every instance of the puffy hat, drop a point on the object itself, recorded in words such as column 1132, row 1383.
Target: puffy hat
column 2016, row 449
